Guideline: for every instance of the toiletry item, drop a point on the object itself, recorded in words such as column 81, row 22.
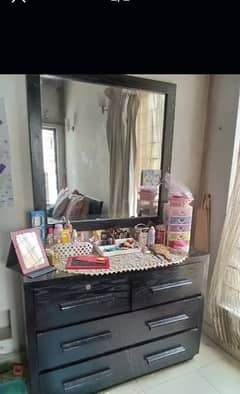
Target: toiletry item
column 80, row 236
column 37, row 219
column 68, row 226
column 74, row 236
column 160, row 235
column 50, row 240
column 65, row 236
column 57, row 232
column 151, row 236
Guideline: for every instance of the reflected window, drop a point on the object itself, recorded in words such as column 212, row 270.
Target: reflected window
column 49, row 162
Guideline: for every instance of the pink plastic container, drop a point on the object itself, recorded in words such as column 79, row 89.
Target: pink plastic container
column 148, row 193
column 179, row 228
column 179, row 202
column 180, row 245
column 183, row 211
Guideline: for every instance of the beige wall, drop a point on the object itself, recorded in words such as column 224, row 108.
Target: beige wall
column 12, row 88
column 87, row 155
column 222, row 150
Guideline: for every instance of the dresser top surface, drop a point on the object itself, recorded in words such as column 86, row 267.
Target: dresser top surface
column 194, row 256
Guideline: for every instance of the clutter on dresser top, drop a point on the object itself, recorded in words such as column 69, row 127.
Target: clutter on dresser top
column 66, row 247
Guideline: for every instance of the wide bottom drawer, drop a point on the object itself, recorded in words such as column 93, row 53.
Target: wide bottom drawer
column 103, row 372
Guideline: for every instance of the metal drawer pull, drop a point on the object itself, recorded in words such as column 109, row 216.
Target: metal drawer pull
column 168, row 353
column 86, row 301
column 85, row 341
column 76, row 384
column 166, row 321
column 170, row 285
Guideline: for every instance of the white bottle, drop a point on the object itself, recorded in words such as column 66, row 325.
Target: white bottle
column 74, row 236
column 151, row 236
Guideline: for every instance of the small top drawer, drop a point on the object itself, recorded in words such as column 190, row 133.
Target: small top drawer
column 73, row 302
column 168, row 284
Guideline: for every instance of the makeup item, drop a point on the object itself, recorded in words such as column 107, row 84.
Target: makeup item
column 160, row 236
column 74, row 236
column 151, row 236
column 58, row 228
column 80, row 236
column 50, row 240
column 68, row 226
column 65, row 236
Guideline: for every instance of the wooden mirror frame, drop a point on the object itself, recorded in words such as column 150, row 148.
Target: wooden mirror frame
column 122, row 81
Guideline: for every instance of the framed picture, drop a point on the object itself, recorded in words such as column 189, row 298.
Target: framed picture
column 29, row 249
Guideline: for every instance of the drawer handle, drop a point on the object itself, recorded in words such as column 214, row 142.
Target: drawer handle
column 166, row 321
column 170, row 285
column 86, row 301
column 167, row 353
column 92, row 378
column 85, row 341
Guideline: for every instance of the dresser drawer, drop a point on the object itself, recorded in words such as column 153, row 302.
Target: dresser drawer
column 87, row 377
column 100, row 373
column 164, row 352
column 83, row 300
column 168, row 284
column 81, row 341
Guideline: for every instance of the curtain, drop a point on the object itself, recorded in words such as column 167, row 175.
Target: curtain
column 149, row 132
column 224, row 293
column 121, row 137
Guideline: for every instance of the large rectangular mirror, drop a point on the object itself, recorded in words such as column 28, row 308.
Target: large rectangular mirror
column 102, row 146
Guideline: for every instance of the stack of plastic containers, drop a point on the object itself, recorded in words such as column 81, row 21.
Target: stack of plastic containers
column 179, row 223
column 177, row 214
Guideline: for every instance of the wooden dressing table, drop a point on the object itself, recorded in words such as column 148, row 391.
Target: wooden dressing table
column 85, row 334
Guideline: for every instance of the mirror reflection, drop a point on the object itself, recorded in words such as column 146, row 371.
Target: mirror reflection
column 102, row 149
column 30, row 250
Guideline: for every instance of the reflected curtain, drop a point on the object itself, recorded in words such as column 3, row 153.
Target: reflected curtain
column 224, row 293
column 149, row 133
column 121, row 137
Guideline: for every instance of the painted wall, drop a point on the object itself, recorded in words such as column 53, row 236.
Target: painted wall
column 222, row 148
column 13, row 90
column 189, row 126
column 87, row 156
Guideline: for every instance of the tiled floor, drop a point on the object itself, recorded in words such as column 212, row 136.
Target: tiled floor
column 212, row 371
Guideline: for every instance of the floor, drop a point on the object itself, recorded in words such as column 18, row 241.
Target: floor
column 212, row 371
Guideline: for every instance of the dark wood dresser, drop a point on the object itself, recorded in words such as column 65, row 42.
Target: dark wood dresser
column 85, row 334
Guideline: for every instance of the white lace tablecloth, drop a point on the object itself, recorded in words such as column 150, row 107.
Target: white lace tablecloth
column 129, row 262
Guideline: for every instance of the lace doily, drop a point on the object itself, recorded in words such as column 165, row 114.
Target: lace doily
column 129, row 262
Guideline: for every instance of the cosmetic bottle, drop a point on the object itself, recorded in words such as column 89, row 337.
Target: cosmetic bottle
column 50, row 240
column 151, row 236
column 69, row 227
column 65, row 236
column 57, row 232
column 74, row 237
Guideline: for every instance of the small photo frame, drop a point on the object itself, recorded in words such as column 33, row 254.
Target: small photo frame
column 29, row 249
